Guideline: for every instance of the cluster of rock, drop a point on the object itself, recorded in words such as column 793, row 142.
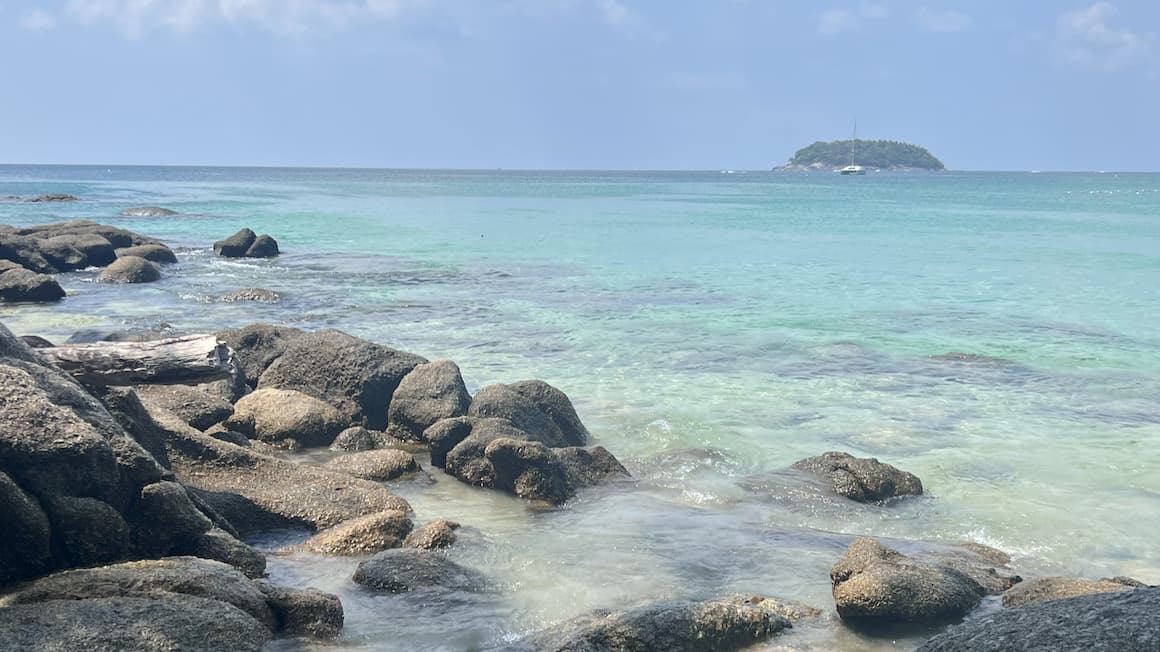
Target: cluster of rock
column 247, row 244
column 55, row 197
column 28, row 256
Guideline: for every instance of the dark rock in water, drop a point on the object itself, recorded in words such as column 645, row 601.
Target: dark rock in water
column 445, row 435
column 263, row 247
column 363, row 535
column 875, row 584
column 429, row 393
column 433, row 535
column 535, row 407
column 236, row 245
column 356, row 439
column 130, row 269
column 1121, row 621
column 62, row 255
column 381, row 465
column 304, row 612
column 148, row 211
column 865, row 480
column 194, row 406
column 20, row 285
column 154, row 253
column 36, row 341
column 97, row 249
column 281, row 415
column 1041, row 589
column 118, row 238
column 257, row 346
column 25, row 251
column 676, row 626
column 256, row 295
column 159, row 624
column 402, row 570
column 53, row 197
column 356, row 376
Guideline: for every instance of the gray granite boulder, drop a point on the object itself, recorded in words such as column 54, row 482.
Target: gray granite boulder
column 263, row 246
column 257, row 346
column 21, row 285
column 363, row 535
column 382, row 465
column 281, row 415
column 130, row 269
column 873, row 583
column 535, row 407
column 429, row 393
column 148, row 211
column 116, row 237
column 236, row 245
column 357, row 377
column 62, row 255
column 97, row 249
column 402, row 570
column 155, row 253
column 198, row 408
column 303, row 612
column 24, row 251
column 26, row 546
column 356, row 439
column 1041, row 589
column 865, row 480
column 1120, row 621
column 434, row 535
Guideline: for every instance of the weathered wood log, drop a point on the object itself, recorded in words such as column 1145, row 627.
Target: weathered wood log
column 177, row 360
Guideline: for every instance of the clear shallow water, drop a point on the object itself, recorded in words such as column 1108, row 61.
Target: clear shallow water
column 710, row 328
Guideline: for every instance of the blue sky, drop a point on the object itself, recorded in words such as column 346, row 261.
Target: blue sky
column 605, row 84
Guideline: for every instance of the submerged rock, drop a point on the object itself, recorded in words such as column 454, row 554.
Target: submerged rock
column 1120, row 621
column 53, row 198
column 148, row 211
column 303, row 612
column 875, row 583
column 865, row 480
column 434, row 535
column 429, row 393
column 363, row 535
column 1041, row 589
column 402, row 570
column 130, row 269
column 255, row 295
column 154, row 253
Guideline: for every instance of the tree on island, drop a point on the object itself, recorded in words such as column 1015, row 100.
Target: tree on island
column 886, row 154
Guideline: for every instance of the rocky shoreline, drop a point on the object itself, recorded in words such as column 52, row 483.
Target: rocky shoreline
column 127, row 505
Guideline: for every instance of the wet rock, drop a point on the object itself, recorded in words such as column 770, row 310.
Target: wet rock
column 116, row 237
column 22, row 285
column 875, row 583
column 130, row 269
column 381, row 465
column 355, row 376
column 154, row 253
column 236, row 245
column 263, row 246
column 257, row 346
column 194, row 406
column 219, row 545
column 1041, row 589
column 1127, row 621
column 158, row 624
column 62, row 255
column 356, row 439
column 363, row 535
column 55, row 197
column 434, row 535
column 865, row 480
column 279, row 415
column 402, row 570
column 303, row 612
column 148, row 211
column 429, row 393
column 254, row 295
column 446, row 434
column 535, row 407
column 25, row 251
column 729, row 623
column 98, row 251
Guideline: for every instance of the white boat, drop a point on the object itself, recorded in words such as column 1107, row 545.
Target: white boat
column 851, row 168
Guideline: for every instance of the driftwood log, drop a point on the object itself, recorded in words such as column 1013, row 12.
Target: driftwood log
column 178, row 360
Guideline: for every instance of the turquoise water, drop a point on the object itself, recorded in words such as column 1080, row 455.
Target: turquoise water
column 710, row 328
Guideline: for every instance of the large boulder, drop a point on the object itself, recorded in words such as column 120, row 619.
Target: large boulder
column 280, row 415
column 97, row 249
column 873, row 583
column 865, row 480
column 730, row 623
column 155, row 253
column 25, row 549
column 356, row 376
column 196, row 407
column 257, row 346
column 116, row 237
column 382, row 465
column 304, row 612
column 535, row 407
column 1120, row 621
column 25, row 251
column 363, row 535
column 402, row 570
column 236, row 245
column 1041, row 589
column 19, row 284
column 429, row 393
column 62, row 255
column 130, row 269
column 263, row 246
column 148, row 211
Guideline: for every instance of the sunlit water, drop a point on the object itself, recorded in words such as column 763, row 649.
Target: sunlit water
column 711, row 329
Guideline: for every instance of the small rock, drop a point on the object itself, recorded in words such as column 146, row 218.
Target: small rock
column 130, row 269
column 381, row 465
column 148, row 211
column 1041, row 589
column 53, row 197
column 236, row 245
column 263, row 247
column 433, row 535
column 303, row 612
column 402, row 570
column 363, row 535
column 154, row 253
column 865, row 480
column 255, row 295
column 356, row 439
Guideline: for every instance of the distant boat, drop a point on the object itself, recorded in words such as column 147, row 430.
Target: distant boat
column 852, row 169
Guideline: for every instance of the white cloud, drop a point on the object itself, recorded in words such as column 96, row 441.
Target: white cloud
column 37, row 20
column 945, row 20
column 837, row 21
column 137, row 17
column 1084, row 37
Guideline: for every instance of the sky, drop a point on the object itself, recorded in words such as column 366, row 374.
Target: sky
column 577, row 84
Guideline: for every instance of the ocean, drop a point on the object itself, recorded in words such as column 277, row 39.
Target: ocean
column 994, row 333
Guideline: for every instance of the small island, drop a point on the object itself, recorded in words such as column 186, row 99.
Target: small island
column 889, row 155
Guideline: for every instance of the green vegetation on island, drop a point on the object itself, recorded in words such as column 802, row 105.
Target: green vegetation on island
column 881, row 154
